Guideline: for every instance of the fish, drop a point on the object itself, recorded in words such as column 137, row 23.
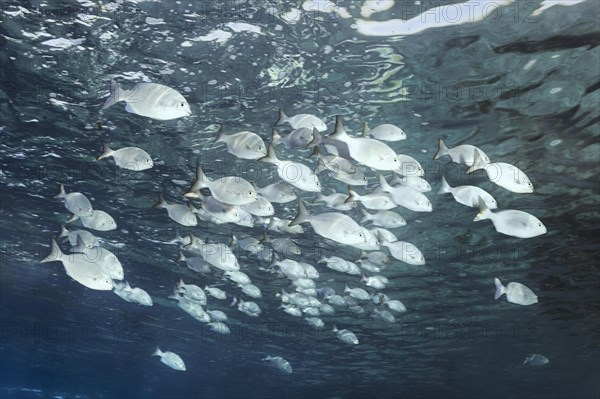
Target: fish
column 377, row 282
column 192, row 308
column 370, row 152
column 237, row 277
column 463, row 154
column 99, row 220
column 409, row 166
column 346, row 336
column 108, row 261
column 217, row 315
column 357, row 293
column 512, row 222
column 375, row 257
column 134, row 295
column 387, row 219
column 170, row 359
column 406, row 197
column 216, row 211
column 315, row 322
column 383, row 315
column 371, row 241
column 536, row 360
column 416, row 182
column 384, row 235
column 76, row 203
column 506, row 176
column 333, row 163
column 251, row 290
column 219, row 327
column 385, row 132
column 182, row 214
column 395, row 305
column 283, row 226
column 515, row 293
column 357, row 178
column 195, row 263
column 277, row 193
column 297, row 139
column 88, row 239
column 79, row 268
column 152, row 100
column 191, row 292
column 231, row 190
column 260, row 207
column 335, row 201
column 250, row 308
column 218, row 255
column 405, row 252
column 215, row 293
column 374, row 201
column 279, row 363
column 334, row 226
column 301, row 120
column 292, row 269
column 292, row 310
column 243, row 145
column 294, row 173
column 468, row 195
column 130, row 158
column 285, row 246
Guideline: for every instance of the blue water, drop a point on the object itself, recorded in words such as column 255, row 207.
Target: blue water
column 523, row 88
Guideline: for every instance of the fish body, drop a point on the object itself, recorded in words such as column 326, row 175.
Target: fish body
column 131, row 158
column 294, row 173
column 463, row 154
column 243, row 145
column 231, row 190
column 152, row 100
column 301, row 121
column 468, row 195
column 279, row 363
column 170, row 359
column 515, row 293
column 385, row 132
column 512, row 222
column 346, row 336
column 76, row 203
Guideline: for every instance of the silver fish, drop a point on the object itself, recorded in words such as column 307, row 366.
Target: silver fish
column 131, row 158
column 151, row 100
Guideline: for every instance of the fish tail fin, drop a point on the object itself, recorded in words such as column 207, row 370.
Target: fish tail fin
column 365, row 130
column 484, row 211
column 302, row 215
column 476, row 162
column 339, row 129
column 106, row 152
column 383, row 183
column 275, row 138
column 180, row 283
column 318, row 197
column 63, row 232
column 315, row 152
column 442, row 149
column 352, row 196
column 181, row 257
column 316, row 140
column 265, row 238
column 233, row 241
column 116, row 94
column 61, row 191
column 199, row 179
column 220, row 134
column 346, row 288
column 445, row 188
column 157, row 352
column 500, row 290
column 334, row 329
column 161, row 202
column 268, row 357
column 55, row 253
column 72, row 218
column 282, row 118
column 366, row 216
column 271, row 156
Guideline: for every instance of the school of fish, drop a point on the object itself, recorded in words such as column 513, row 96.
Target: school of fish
column 268, row 239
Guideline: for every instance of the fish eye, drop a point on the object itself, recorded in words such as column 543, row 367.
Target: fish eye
column 181, row 105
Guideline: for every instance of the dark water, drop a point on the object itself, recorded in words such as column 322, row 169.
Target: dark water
column 522, row 87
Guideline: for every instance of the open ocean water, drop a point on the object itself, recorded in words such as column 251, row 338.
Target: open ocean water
column 518, row 79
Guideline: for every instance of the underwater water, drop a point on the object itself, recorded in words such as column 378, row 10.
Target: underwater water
column 518, row 79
